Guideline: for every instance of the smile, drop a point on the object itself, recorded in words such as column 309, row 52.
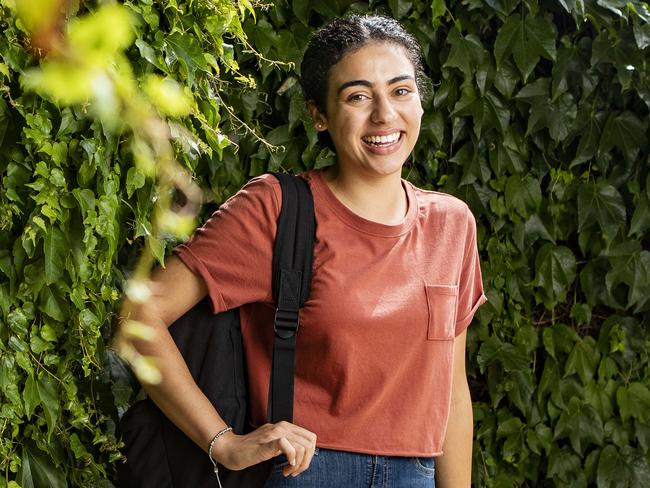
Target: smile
column 382, row 141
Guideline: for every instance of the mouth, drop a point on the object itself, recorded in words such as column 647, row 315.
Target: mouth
column 383, row 145
column 382, row 141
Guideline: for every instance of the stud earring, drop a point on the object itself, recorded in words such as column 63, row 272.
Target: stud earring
column 319, row 126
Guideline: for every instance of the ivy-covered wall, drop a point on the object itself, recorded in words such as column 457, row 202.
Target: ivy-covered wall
column 537, row 117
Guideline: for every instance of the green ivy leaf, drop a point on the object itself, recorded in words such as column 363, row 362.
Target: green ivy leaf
column 297, row 112
column 134, row 181
column 52, row 305
column 400, row 8
column 521, row 387
column 55, row 246
column 583, row 360
column 37, row 470
column 148, row 53
column 504, row 7
column 38, row 345
column 49, row 399
column 634, row 401
column 86, row 200
column 186, row 49
column 30, row 396
column 642, row 433
column 18, row 322
column 558, row 117
column 488, row 112
column 563, row 467
column 301, row 9
column 589, row 127
column 626, row 132
column 88, row 320
column 466, row 53
column 157, row 248
column 506, row 78
column 527, row 40
column 615, row 6
column 637, row 462
column 612, row 469
column 640, row 218
column 512, row 358
column 581, row 424
column 434, row 125
column 555, row 270
column 523, row 194
column 607, row 369
column 597, row 397
column 602, row 204
column 551, row 373
column 510, row 427
column 641, row 33
column 438, row 9
column 630, row 266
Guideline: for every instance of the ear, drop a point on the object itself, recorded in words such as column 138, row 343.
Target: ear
column 318, row 118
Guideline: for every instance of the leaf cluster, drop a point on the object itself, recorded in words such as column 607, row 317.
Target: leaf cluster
column 77, row 199
column 537, row 117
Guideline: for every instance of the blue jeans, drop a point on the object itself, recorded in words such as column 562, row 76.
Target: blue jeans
column 339, row 469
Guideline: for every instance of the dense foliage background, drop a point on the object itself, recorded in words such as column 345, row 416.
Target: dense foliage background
column 537, row 117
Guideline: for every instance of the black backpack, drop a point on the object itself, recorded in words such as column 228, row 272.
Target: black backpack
column 158, row 454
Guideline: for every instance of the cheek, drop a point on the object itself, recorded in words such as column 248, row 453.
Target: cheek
column 347, row 124
column 416, row 118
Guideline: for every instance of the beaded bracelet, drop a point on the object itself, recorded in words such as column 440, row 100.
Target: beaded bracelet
column 214, row 463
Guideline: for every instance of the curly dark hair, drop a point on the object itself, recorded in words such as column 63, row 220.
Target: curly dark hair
column 329, row 44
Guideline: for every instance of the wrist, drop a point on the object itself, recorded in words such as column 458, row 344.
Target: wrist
column 218, row 446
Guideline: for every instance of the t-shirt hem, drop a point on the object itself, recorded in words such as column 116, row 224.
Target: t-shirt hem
column 378, row 452
column 464, row 323
column 195, row 265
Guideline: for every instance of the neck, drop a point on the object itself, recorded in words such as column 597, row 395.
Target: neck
column 381, row 199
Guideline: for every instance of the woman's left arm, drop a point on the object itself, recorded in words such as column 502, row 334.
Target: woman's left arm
column 454, row 467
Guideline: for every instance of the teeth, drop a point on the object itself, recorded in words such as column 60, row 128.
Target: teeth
column 389, row 139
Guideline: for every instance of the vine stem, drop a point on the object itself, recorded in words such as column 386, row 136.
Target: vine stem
column 42, row 366
column 243, row 124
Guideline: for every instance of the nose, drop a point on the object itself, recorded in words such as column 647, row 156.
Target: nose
column 383, row 110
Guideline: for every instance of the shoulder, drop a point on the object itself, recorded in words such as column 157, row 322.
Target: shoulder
column 265, row 184
column 435, row 203
column 263, row 190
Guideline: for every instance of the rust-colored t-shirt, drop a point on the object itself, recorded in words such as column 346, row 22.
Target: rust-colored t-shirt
column 374, row 348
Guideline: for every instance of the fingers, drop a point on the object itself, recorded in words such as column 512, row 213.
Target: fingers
column 268, row 441
column 304, row 455
column 297, row 444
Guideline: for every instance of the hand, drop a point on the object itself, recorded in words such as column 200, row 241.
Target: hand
column 237, row 452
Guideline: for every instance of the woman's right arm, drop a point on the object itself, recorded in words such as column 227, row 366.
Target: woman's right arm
column 174, row 290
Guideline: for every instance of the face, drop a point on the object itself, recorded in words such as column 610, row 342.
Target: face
column 373, row 110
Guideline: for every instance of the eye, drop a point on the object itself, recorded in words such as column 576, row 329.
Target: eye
column 402, row 92
column 357, row 97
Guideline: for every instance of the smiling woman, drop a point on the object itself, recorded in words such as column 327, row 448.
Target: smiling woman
column 380, row 385
column 373, row 110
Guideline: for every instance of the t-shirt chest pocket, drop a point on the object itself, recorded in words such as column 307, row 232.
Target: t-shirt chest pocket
column 441, row 300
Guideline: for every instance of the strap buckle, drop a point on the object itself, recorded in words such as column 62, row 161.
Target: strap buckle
column 286, row 323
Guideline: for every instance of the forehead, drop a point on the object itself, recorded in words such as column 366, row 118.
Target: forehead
column 375, row 62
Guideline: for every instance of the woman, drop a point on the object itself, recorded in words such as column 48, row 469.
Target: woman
column 380, row 360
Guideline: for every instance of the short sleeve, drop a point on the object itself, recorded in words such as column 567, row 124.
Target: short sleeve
column 233, row 250
column 470, row 285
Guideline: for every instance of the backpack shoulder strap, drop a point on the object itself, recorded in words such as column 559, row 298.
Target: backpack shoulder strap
column 292, row 263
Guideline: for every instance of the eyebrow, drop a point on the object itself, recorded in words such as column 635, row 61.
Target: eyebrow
column 367, row 83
